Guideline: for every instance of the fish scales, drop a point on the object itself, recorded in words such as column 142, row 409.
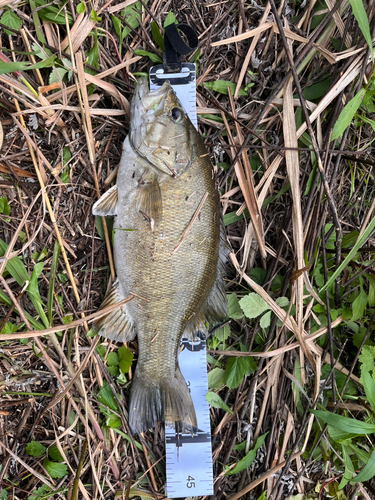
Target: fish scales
column 168, row 249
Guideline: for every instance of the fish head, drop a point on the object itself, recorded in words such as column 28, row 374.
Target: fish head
column 160, row 130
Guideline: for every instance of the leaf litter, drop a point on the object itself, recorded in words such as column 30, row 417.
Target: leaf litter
column 285, row 102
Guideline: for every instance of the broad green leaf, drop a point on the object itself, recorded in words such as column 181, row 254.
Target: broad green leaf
column 253, row 305
column 112, row 359
column 41, row 493
column 158, row 39
column 113, row 370
column 10, row 19
column 235, row 369
column 216, row 378
column 369, row 386
column 132, row 17
column 282, row 301
column 215, row 401
column 359, row 305
column 222, row 333
column 234, row 309
column 80, row 8
column 221, row 86
column 10, row 328
column 360, row 241
column 33, row 285
column 55, row 469
column 367, row 358
column 106, row 397
column 170, row 19
column 338, row 435
column 265, row 320
column 347, row 114
column 33, row 322
column 4, row 495
column 125, row 359
column 249, row 458
column 153, row 57
column 4, row 207
column 362, row 20
column 367, row 472
column 55, row 74
column 35, row 449
column 317, row 90
column 53, row 13
column 54, row 454
column 346, row 424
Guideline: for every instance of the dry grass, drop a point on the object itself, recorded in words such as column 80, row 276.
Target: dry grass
column 277, row 195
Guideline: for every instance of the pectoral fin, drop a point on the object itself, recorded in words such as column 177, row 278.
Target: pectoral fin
column 107, row 204
column 148, row 199
column 116, row 325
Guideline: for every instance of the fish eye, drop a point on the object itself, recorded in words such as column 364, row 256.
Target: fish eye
column 176, row 114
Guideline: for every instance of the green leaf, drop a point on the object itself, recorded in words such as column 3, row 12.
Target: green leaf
column 55, row 470
column 112, row 359
column 117, row 25
column 369, row 386
column 52, row 278
column 253, row 305
column 235, row 369
column 222, row 333
column 221, row 86
column 55, row 74
column 54, row 454
column 345, row 424
column 317, row 90
column 153, row 57
column 349, row 469
column 125, row 359
column 113, row 370
column 132, row 17
column 360, row 241
column 158, row 39
column 3, row 495
column 367, row 358
column 359, row 305
column 282, row 301
column 362, row 20
column 35, row 449
column 106, row 397
column 80, row 8
column 52, row 13
column 367, row 472
column 265, row 320
column 41, row 493
column 10, row 328
column 249, row 458
column 347, row 115
column 170, row 19
column 215, row 401
column 4, row 207
column 234, row 309
column 10, row 19
column 216, row 378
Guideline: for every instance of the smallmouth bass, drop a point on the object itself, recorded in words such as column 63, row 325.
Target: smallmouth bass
column 169, row 248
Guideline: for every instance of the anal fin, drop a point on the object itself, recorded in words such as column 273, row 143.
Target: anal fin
column 148, row 199
column 116, row 325
column 107, row 204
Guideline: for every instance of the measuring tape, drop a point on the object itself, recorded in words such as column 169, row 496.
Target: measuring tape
column 189, row 456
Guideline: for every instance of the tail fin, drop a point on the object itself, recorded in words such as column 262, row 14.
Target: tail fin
column 170, row 401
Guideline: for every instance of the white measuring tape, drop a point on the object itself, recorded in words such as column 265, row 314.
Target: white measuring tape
column 189, row 456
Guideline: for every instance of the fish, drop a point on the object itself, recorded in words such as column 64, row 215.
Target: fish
column 169, row 248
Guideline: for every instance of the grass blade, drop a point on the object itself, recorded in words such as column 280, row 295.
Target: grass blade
column 361, row 240
column 362, row 20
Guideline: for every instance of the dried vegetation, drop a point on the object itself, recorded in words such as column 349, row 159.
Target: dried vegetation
column 297, row 204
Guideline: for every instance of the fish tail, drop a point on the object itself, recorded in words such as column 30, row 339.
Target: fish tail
column 168, row 401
